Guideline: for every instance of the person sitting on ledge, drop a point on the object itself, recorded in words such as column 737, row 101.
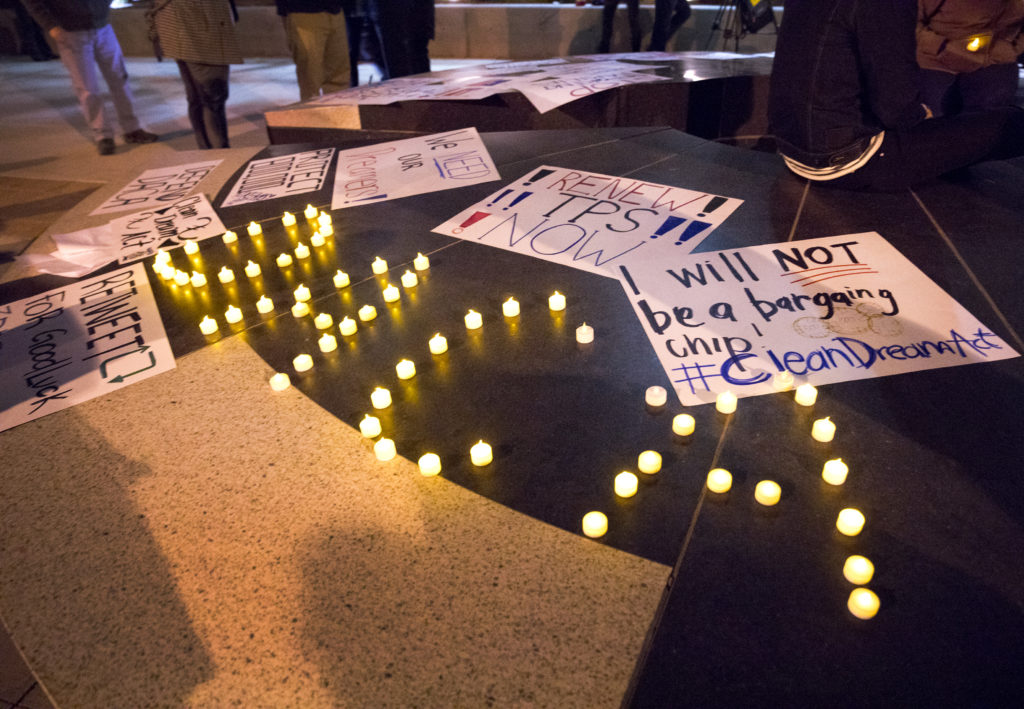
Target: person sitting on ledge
column 845, row 108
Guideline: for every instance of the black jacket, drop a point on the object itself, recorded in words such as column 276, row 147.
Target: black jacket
column 844, row 71
column 70, row 15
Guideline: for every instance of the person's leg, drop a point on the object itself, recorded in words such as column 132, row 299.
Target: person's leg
column 988, row 88
column 76, row 53
column 388, row 18
column 659, row 33
column 195, row 105
column 937, row 88
column 607, row 25
column 307, row 34
column 337, row 68
column 107, row 52
column 679, row 17
column 212, row 82
column 633, row 16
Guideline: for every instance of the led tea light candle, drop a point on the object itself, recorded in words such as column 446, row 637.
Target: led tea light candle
column 405, row 369
column 391, row 294
column 834, row 471
column 317, row 240
column 370, row 426
column 649, row 462
column 556, row 302
column 379, row 266
column 167, row 272
column 231, row 237
column 322, row 321
column 430, row 464
column 384, row 449
column 367, row 313
column 783, row 381
column 252, row 269
column 863, row 603
column 626, row 484
column 584, row 334
column 806, row 395
column 181, row 278
column 254, row 229
column 233, row 314
column 302, row 363
column 208, row 325
column 409, row 279
column 858, row 569
column 823, row 430
column 310, row 212
column 198, row 280
column 474, row 320
column 380, row 398
column 510, row 308
column 850, row 521
column 324, row 219
column 301, row 251
column 225, row 275
column 326, row 230
column 300, row 310
column 341, row 279
column 264, row 305
column 288, row 219
column 683, row 425
column 162, row 257
column 327, row 343
column 348, row 326
column 480, row 454
column 302, row 293
column 421, row 262
column 284, row 260
column 719, row 480
column 280, row 381
column 655, row 396
column 725, row 402
column 191, row 248
column 595, row 524
column 438, row 344
column 768, row 493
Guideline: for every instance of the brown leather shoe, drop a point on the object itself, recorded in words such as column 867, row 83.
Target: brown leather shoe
column 141, row 136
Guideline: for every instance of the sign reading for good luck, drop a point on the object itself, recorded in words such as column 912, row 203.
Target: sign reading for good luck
column 591, row 221
column 71, row 344
column 282, row 176
column 823, row 310
column 158, row 187
column 140, row 235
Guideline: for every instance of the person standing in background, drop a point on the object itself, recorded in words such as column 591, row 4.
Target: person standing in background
column 669, row 16
column 86, row 42
column 200, row 35
column 608, row 24
column 318, row 41
column 418, row 35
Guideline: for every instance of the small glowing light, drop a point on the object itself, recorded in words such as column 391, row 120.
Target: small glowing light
column 474, row 320
column 302, row 293
column 783, row 381
column 326, row 230
column 370, row 426
column 380, row 398
column 324, row 219
column 391, row 294
column 254, row 229
column 288, row 219
column 823, row 430
column 595, row 524
column 317, row 240
column 725, row 402
column 510, row 308
column 161, row 257
column 421, row 262
column 264, row 305
column 655, row 396
column 409, row 279
column 280, row 381
column 327, row 343
column 405, row 369
column 719, row 480
column 347, row 326
column 301, row 251
column 198, row 280
column 556, row 302
column 625, row 484
column 384, row 449
column 367, row 313
column 584, row 334
column 302, row 363
column 322, row 321
column 167, row 272
column 768, row 493
column 231, row 237
column 208, row 325
column 225, row 275
column 683, row 424
column 233, row 314
column 863, row 603
column 978, row 42
column 191, row 248
column 252, row 269
column 341, row 279
column 300, row 310
column 834, row 471
column 858, row 569
column 438, row 344
column 181, row 278
column 430, row 464
column 806, row 395
column 379, row 266
column 310, row 212
column 284, row 260
column 850, row 521
column 649, row 462
column 480, row 454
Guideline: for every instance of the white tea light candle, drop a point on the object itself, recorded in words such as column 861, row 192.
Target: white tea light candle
column 863, row 603
column 823, row 430
column 301, row 251
column 208, row 325
column 384, row 449
column 288, row 219
column 310, row 212
column 347, row 326
column 584, row 334
column 341, row 279
column 280, row 381
column 725, row 402
column 225, row 275
column 252, row 269
column 379, row 266
column 233, row 314
column 438, row 344
column 834, row 471
column 284, row 260
column 806, row 395
column 595, row 524
column 474, row 320
column 683, row 424
column 409, row 279
column 198, row 280
column 317, row 240
column 858, row 569
column 391, row 293
column 510, row 308
column 719, row 480
column 302, row 363
column 850, row 521
column 327, row 343
column 300, row 310
column 191, row 248
column 254, row 229
column 768, row 493
column 231, row 237
column 655, row 396
column 405, row 369
column 480, row 454
column 421, row 262
column 556, row 302
column 322, row 321
column 367, row 313
column 380, row 398
column 370, row 426
column 430, row 464
column 649, row 462
column 626, row 484
column 264, row 305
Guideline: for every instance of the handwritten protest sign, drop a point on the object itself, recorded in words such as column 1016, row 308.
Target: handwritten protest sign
column 158, row 187
column 282, row 176
column 75, row 343
column 823, row 310
column 591, row 221
column 140, row 235
column 401, row 168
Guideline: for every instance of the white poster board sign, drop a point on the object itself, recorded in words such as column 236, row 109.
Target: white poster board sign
column 72, row 344
column 157, row 187
column 401, row 168
column 824, row 310
column 140, row 235
column 282, row 176
column 591, row 221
